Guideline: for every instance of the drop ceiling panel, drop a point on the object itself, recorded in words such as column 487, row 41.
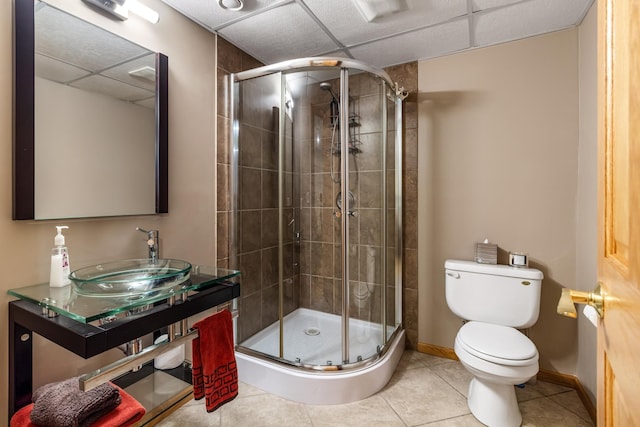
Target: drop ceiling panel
column 348, row 25
column 57, row 71
column 112, row 88
column 533, row 17
column 149, row 103
column 94, row 48
column 427, row 43
column 489, row 4
column 275, row 30
column 121, row 72
column 278, row 34
column 208, row 14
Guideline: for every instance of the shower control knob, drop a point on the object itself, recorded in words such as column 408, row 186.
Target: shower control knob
column 353, row 214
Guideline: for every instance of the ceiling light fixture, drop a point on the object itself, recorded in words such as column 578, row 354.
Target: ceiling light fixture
column 120, row 9
column 231, row 5
column 374, row 9
column 114, row 7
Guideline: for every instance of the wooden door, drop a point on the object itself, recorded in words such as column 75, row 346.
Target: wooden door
column 619, row 211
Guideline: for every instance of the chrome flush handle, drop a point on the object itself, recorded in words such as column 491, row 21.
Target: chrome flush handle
column 453, row 274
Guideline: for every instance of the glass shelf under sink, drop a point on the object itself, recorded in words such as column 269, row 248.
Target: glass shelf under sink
column 66, row 302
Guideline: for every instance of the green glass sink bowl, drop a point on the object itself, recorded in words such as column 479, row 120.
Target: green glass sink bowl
column 130, row 277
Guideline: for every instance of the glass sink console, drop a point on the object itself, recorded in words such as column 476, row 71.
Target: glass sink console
column 67, row 302
column 90, row 325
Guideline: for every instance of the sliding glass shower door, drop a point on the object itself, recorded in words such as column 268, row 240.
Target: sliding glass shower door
column 316, row 209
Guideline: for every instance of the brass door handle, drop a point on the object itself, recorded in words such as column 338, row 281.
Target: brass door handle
column 570, row 297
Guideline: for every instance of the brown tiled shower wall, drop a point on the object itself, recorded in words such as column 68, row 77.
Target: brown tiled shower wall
column 309, row 282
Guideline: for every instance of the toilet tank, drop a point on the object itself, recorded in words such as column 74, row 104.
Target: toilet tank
column 499, row 294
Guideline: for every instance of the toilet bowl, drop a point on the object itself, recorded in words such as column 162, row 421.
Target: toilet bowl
column 495, row 301
column 499, row 357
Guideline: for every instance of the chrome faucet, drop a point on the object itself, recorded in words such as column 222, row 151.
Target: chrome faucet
column 152, row 243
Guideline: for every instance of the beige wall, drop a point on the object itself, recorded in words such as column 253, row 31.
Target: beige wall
column 72, row 123
column 187, row 232
column 498, row 159
column 587, row 203
column 518, row 100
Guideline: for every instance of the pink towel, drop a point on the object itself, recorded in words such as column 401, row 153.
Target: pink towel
column 214, row 370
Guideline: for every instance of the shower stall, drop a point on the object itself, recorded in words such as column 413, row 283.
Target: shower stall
column 316, row 227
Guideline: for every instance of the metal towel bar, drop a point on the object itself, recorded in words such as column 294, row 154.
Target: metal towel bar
column 93, row 379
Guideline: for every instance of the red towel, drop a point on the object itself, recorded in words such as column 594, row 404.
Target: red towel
column 128, row 412
column 214, row 370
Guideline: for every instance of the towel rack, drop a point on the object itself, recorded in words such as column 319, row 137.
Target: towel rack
column 93, row 379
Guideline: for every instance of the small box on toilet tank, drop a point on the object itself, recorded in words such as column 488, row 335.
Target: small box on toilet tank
column 486, row 253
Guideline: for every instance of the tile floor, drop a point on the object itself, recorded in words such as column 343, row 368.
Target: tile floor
column 424, row 391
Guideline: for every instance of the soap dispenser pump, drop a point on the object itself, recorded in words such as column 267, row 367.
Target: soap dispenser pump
column 60, row 269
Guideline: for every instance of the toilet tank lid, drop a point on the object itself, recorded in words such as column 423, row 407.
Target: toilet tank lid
column 494, row 269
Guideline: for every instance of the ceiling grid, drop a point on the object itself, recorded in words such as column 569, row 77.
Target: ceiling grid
column 277, row 30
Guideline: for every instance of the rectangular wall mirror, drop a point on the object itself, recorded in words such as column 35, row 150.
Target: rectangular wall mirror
column 90, row 112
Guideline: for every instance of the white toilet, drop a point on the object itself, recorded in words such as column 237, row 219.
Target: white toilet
column 496, row 300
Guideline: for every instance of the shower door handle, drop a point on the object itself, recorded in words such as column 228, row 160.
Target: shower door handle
column 338, row 214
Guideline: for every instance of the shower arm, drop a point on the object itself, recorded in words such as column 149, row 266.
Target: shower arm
column 400, row 92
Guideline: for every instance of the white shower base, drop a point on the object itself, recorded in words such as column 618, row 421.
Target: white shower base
column 301, row 342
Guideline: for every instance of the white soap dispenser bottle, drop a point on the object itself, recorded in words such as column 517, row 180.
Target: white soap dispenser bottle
column 60, row 269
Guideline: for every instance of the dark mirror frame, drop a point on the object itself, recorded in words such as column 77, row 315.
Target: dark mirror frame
column 24, row 118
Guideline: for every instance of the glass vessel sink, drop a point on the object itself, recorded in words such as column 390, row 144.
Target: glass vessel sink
column 130, row 277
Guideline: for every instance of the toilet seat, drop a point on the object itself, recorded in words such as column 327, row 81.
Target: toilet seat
column 498, row 344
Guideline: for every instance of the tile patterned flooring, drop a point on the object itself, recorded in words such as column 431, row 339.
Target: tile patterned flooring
column 424, row 391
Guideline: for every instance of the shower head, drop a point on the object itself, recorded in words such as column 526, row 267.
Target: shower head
column 327, row 86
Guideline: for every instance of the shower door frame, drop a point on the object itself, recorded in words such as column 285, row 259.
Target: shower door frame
column 388, row 86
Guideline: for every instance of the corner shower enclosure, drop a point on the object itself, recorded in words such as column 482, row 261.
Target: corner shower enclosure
column 316, row 222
